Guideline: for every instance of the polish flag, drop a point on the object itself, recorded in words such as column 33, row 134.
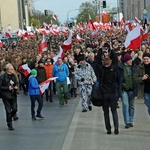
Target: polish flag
column 24, row 33
column 25, row 68
column 60, row 54
column 67, row 45
column 78, row 38
column 133, row 39
column 54, row 17
column 54, row 31
column 31, row 34
column 139, row 22
column 44, row 85
column 145, row 34
column 90, row 24
column 122, row 21
column 8, row 34
column 43, row 46
column 1, row 44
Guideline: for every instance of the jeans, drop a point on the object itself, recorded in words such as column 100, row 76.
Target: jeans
column 147, row 101
column 62, row 91
column 128, row 106
column 35, row 98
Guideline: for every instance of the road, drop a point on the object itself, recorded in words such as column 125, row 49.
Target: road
column 67, row 128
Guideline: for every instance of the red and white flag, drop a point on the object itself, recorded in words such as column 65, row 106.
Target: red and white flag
column 44, row 85
column 90, row 24
column 145, row 34
column 54, row 17
column 8, row 34
column 60, row 54
column 67, row 45
column 78, row 38
column 43, row 46
column 133, row 39
column 137, row 20
column 1, row 44
column 122, row 21
column 26, row 69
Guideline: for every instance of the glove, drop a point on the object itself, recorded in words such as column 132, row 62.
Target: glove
column 82, row 79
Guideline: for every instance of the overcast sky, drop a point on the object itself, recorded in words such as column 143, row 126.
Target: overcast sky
column 61, row 7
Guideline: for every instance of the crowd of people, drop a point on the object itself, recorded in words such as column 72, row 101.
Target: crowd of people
column 104, row 60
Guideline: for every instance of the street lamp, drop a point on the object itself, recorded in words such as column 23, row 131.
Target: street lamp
column 68, row 14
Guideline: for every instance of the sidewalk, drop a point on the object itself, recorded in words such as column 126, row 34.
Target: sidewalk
column 87, row 131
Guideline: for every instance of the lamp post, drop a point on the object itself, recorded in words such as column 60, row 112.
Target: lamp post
column 68, row 14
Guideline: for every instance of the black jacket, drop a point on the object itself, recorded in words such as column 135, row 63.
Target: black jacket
column 41, row 74
column 5, row 82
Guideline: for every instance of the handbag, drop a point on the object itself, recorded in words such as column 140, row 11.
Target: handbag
column 96, row 96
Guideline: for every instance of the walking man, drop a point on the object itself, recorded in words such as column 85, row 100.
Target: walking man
column 61, row 71
column 8, row 87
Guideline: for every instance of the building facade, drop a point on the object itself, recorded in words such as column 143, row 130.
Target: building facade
column 135, row 8
column 14, row 14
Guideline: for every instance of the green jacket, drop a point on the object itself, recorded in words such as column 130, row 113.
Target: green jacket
column 139, row 73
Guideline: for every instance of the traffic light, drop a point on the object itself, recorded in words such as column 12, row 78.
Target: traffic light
column 104, row 4
column 46, row 12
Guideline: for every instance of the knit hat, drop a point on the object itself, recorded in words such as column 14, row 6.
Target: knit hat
column 127, row 57
column 33, row 72
column 146, row 55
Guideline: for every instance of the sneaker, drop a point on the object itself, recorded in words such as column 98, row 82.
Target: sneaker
column 127, row 126
column 131, row 124
column 39, row 116
column 116, row 131
column 90, row 108
column 84, row 110
column 33, row 118
column 108, row 132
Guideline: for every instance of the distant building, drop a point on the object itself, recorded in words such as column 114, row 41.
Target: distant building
column 14, row 14
column 134, row 8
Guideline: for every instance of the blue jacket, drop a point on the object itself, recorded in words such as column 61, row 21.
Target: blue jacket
column 34, row 88
column 60, row 71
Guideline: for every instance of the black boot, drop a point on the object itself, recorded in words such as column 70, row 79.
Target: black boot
column 10, row 126
column 71, row 92
column 15, row 117
column 75, row 92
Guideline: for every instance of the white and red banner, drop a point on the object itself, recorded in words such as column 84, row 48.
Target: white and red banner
column 133, row 39
column 54, row 17
column 26, row 69
column 145, row 34
column 43, row 46
column 78, row 38
column 44, row 85
column 67, row 45
column 60, row 54
column 1, row 44
column 8, row 34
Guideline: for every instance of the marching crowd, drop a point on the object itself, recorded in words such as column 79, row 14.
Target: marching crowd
column 120, row 73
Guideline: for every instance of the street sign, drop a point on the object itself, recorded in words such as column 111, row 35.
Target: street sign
column 145, row 16
column 144, row 11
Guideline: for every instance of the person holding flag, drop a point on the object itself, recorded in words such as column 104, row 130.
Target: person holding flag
column 24, row 70
column 34, row 92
